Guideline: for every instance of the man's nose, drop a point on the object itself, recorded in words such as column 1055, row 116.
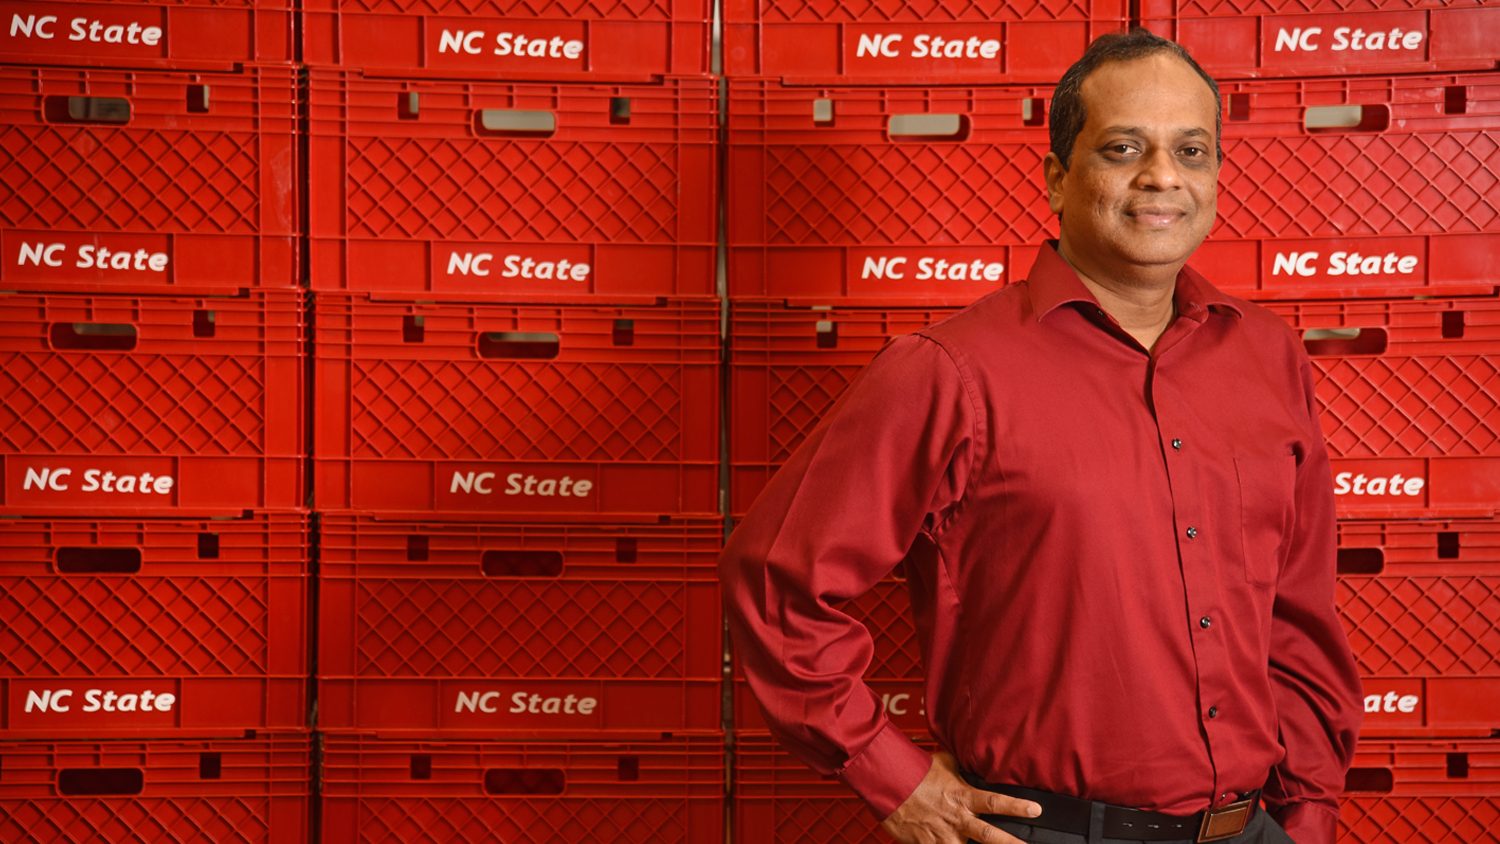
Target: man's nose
column 1158, row 170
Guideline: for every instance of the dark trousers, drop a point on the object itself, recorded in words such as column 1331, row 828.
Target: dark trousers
column 1261, row 830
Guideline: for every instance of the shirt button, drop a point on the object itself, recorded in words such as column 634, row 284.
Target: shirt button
column 1176, row 444
column 1205, row 622
column 1192, row 533
column 1213, row 712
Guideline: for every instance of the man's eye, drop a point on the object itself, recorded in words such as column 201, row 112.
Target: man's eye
column 1194, row 152
column 1121, row 149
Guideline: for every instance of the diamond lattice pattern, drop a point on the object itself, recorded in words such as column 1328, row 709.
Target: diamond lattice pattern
column 211, row 626
column 1360, row 184
column 1420, row 820
column 886, row 612
column 1234, row 8
column 918, row 11
column 77, row 177
column 137, row 819
column 468, row 821
column 1423, row 626
column 442, row 628
column 800, row 395
column 830, row 821
column 519, row 190
column 132, row 404
column 621, row 9
column 516, row 411
column 1422, row 406
column 919, row 194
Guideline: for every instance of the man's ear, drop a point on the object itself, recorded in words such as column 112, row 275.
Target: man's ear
column 1054, row 172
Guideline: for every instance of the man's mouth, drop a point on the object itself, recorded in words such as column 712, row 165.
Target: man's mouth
column 1156, row 215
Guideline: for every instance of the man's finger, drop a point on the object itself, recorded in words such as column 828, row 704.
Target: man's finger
column 978, row 830
column 989, row 803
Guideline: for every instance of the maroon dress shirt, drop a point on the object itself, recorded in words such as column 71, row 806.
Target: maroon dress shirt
column 1124, row 577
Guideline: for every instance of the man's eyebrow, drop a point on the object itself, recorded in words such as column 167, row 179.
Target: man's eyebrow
column 1136, row 131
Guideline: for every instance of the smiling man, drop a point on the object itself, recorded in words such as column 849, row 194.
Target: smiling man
column 1112, row 495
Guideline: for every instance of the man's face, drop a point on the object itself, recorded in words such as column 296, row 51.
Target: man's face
column 1142, row 187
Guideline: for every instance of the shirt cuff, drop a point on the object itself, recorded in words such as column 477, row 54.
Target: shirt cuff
column 1308, row 823
column 887, row 771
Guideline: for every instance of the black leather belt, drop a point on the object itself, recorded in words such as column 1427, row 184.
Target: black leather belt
column 1071, row 814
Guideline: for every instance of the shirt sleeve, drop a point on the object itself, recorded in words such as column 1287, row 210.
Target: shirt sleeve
column 1314, row 679
column 888, row 462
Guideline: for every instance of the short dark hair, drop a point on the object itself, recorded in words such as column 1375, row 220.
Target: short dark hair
column 1067, row 114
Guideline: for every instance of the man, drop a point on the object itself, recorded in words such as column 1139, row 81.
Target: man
column 1116, row 497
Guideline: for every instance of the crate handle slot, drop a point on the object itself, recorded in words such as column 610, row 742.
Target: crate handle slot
column 197, row 98
column 928, row 127
column 1346, row 118
column 524, row 781
column 522, row 345
column 827, row 332
column 72, row 560
column 513, row 123
column 1447, row 545
column 626, row 550
column 91, row 782
column 521, row 563
column 108, row 111
column 1458, row 766
column 1033, row 111
column 93, row 336
column 1370, row 780
column 1360, row 561
column 210, row 766
column 1345, row 341
column 823, row 111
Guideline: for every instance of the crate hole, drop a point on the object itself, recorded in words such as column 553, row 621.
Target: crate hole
column 1458, row 766
column 1453, row 325
column 521, row 563
column 822, row 110
column 93, row 336
column 626, row 550
column 1344, row 341
column 98, row 560
column 1370, row 780
column 522, row 345
column 619, row 110
column 1447, row 542
column 197, row 99
column 1347, row 118
column 1033, row 111
column 1239, row 106
column 413, row 329
column 504, row 122
column 203, row 323
column 210, row 766
column 828, row 334
column 1456, row 99
column 628, row 769
column 408, row 105
column 1360, row 561
column 105, row 110
column 624, row 332
column 524, row 781
column 421, row 766
column 208, row 546
column 416, row 549
column 92, row 782
column 928, row 127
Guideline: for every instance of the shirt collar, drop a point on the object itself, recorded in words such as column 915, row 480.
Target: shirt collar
column 1053, row 283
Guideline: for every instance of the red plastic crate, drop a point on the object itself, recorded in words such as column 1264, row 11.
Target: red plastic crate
column 618, row 202
column 123, row 405
column 657, row 792
column 228, row 790
column 1407, row 205
column 100, row 619
column 926, row 43
column 1240, row 38
column 1418, row 792
column 453, row 626
column 841, row 211
column 510, row 409
column 1416, row 394
column 489, row 39
column 787, row 366
column 146, row 33
column 195, row 191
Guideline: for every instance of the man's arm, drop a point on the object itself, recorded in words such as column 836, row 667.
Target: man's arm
column 1314, row 679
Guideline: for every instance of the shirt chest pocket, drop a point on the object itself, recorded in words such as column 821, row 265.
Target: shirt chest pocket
column 1267, row 489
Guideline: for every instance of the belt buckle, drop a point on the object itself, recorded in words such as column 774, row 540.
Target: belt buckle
column 1226, row 821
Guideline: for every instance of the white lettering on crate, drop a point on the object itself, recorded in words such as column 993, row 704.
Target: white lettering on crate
column 519, row 483
column 99, row 700
column 881, row 45
column 1343, row 264
column 97, row 480
column 1347, row 483
column 516, row 266
column 1390, row 702
column 526, row 703
column 931, row 269
column 91, row 257
column 899, row 704
column 473, row 42
column 84, row 29
column 1348, row 39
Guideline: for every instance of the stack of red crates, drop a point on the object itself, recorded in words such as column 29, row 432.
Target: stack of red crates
column 849, row 223
column 154, row 550
column 511, row 233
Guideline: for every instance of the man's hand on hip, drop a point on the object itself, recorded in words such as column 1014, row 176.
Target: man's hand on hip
column 944, row 810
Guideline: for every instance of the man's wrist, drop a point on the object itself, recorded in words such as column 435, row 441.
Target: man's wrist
column 887, row 771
